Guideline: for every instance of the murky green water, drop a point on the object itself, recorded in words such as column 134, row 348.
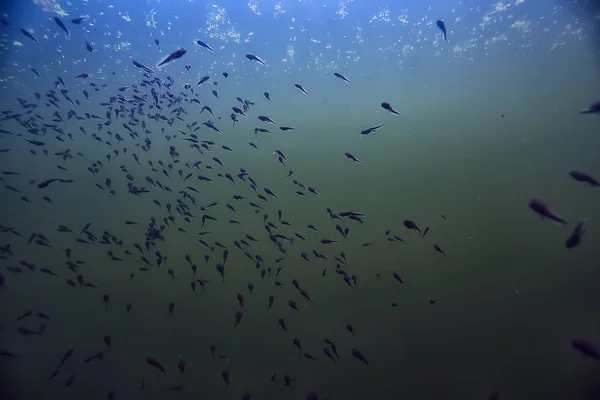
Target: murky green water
column 475, row 140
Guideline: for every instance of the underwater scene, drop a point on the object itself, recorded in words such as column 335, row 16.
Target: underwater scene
column 300, row 199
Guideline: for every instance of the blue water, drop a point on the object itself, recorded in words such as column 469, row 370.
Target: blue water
column 486, row 121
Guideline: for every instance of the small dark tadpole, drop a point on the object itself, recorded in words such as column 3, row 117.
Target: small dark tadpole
column 592, row 109
column 439, row 250
column 342, row 77
column 387, row 106
column 350, row 329
column 586, row 348
column 225, row 376
column 542, row 209
column 442, row 26
column 412, row 226
column 359, row 356
column 153, row 362
column 583, row 177
column 575, row 238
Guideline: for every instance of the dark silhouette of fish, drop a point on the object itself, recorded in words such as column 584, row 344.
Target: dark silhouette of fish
column 542, row 209
column 580, row 176
column 371, row 129
column 342, row 77
column 442, row 26
column 299, row 86
column 142, row 66
column 352, row 157
column 47, row 182
column 225, row 376
column 30, row 36
column 252, row 57
column 79, row 20
column 36, row 73
column 35, row 142
column 171, row 57
column 586, row 348
column 93, row 357
column 358, row 355
column 575, row 238
column 238, row 318
column 62, row 26
column 411, row 225
column 66, row 356
column 399, row 278
column 592, row 109
column 387, row 106
column 203, row 44
column 152, row 361
column 264, row 118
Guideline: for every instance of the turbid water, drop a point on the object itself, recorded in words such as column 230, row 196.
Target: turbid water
column 487, row 121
